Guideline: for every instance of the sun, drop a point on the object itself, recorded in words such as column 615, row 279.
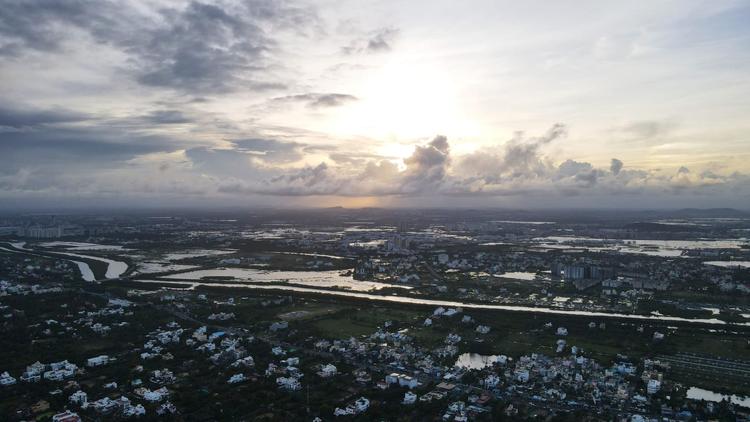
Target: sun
column 407, row 99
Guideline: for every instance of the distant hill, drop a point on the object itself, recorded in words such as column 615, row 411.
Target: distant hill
column 711, row 213
column 660, row 227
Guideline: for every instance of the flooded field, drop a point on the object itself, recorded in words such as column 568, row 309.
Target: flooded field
column 328, row 279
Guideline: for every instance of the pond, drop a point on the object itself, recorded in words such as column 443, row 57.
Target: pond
column 695, row 393
column 518, row 275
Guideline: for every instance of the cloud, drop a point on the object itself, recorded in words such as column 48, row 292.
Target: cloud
column 167, row 117
column 80, row 160
column 581, row 173
column 60, row 152
column 213, row 47
column 41, row 25
column 270, row 150
column 317, row 100
column 377, row 41
column 426, row 169
column 19, row 118
column 647, row 129
column 518, row 159
column 198, row 47
column 318, row 180
column 615, row 166
column 427, row 166
column 60, row 149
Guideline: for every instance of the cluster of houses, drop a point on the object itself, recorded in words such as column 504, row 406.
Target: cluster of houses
column 567, row 380
column 8, row 288
column 358, row 406
column 287, row 373
column 55, row 371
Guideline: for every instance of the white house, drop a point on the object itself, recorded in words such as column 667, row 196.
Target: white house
column 562, row 331
column 653, row 386
column 79, row 397
column 409, row 398
column 288, row 383
column 402, row 380
column 97, row 361
column 133, row 411
column 451, row 312
column 452, row 338
column 247, row 362
column 281, row 325
column 501, row 359
column 491, row 381
column 349, row 410
column 6, row 379
column 66, row 416
column 153, row 396
column 361, row 404
column 237, row 378
column 29, row 377
column 291, row 361
column 327, row 371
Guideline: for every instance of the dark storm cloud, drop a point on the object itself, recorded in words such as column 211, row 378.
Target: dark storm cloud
column 200, row 47
column 41, row 24
column 66, row 148
column 46, row 137
column 167, row 117
column 75, row 160
column 25, row 118
column 317, row 100
column 215, row 47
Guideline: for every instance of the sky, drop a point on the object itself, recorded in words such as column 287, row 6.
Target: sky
column 435, row 103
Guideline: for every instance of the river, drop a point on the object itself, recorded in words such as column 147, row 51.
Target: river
column 83, row 267
column 115, row 269
column 448, row 303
